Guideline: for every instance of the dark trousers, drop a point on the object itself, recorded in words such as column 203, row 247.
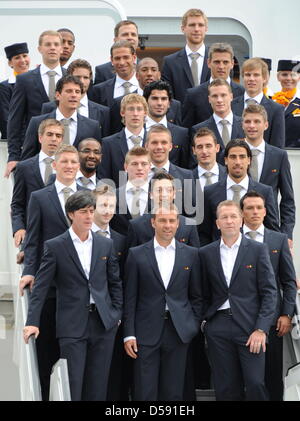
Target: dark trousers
column 89, row 359
column 237, row 373
column 47, row 346
column 159, row 370
column 274, row 366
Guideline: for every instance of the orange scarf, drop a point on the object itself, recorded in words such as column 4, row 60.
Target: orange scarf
column 284, row 98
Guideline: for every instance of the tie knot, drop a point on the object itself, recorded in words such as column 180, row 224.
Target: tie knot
column 102, row 233
column 251, row 101
column 252, row 235
column 255, row 152
column 208, row 174
column 136, row 140
column 66, row 190
column 51, row 73
column 66, row 121
column 194, row 56
column 48, row 160
column 236, row 188
column 84, row 180
column 135, row 190
column 224, row 122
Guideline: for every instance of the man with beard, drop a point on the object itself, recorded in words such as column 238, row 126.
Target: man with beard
column 89, row 158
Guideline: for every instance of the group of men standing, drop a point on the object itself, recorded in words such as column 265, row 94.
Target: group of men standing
column 147, row 214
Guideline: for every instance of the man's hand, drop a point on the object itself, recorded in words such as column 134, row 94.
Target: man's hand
column 19, row 237
column 28, row 331
column 20, row 257
column 284, row 325
column 257, row 341
column 26, row 280
column 131, row 348
column 11, row 165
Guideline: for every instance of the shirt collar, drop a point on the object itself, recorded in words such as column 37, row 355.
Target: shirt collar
column 150, row 122
column 229, row 118
column 258, row 98
column 128, row 133
column 44, row 69
column 95, row 228
column 228, row 80
column 120, row 81
column 260, row 230
column 201, row 50
column 165, row 167
column 236, row 244
column 143, row 187
column 214, row 170
column 261, row 147
column 75, row 237
column 59, row 186
column 60, row 116
column 244, row 183
column 171, row 246
column 42, row 156
column 92, row 178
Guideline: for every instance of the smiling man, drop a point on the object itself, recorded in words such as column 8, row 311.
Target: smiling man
column 69, row 90
column 68, row 38
column 89, row 158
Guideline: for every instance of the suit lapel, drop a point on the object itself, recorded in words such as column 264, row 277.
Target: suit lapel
column 123, row 143
column 95, row 254
column 240, row 258
column 73, row 253
column 186, row 66
column 219, row 263
column 179, row 261
column 53, row 197
column 214, row 128
column 267, row 160
column 80, row 129
column 238, row 106
column 109, row 91
column 234, row 128
column 38, row 83
column 152, row 259
column 205, row 69
column 36, row 171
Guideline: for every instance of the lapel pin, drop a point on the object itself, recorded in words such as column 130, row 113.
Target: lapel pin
column 249, row 267
column 186, row 268
column 275, row 251
column 104, row 258
column 274, row 171
column 182, row 240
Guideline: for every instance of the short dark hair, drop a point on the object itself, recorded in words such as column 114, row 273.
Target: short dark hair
column 251, row 193
column 158, row 128
column 219, row 82
column 124, row 23
column 79, row 200
column 161, row 175
column 68, row 79
column 234, row 143
column 159, row 85
column 77, row 64
column 87, row 139
column 67, row 30
column 204, row 131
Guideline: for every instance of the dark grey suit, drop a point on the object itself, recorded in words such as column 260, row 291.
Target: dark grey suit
column 86, row 338
column 103, row 93
column 292, row 125
column 104, row 72
column 6, row 90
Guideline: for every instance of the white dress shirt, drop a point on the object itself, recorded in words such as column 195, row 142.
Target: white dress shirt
column 130, row 144
column 45, row 78
column 95, row 228
column 228, row 257
column 260, row 233
column 72, row 126
column 200, row 60
column 203, row 179
column 218, row 120
column 83, row 108
column 143, row 196
column 42, row 164
column 84, row 251
column 59, row 186
column 260, row 156
column 150, row 122
column 244, row 184
column 119, row 89
column 92, row 184
column 258, row 98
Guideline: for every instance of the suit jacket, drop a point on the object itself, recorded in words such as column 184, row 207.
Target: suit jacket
column 275, row 134
column 119, row 241
column 27, row 99
column 146, row 296
column 173, row 115
column 6, row 90
column 276, row 172
column 61, row 262
column 103, row 93
column 185, row 199
column 282, row 263
column 85, row 128
column 252, row 289
column 196, row 107
column 236, row 133
column 140, row 231
column 27, row 179
column 104, row 72
column 46, row 220
column 97, row 112
column 292, row 125
column 216, row 193
column 177, row 71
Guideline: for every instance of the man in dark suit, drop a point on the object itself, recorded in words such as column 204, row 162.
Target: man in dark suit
column 254, row 211
column 255, row 74
column 162, row 308
column 86, row 274
column 239, row 298
column 188, row 67
column 19, row 60
column 223, row 122
column 292, row 124
column 140, row 229
column 114, row 148
column 237, row 160
column 133, row 196
column 77, row 127
column 158, row 95
column 89, row 151
column 83, row 71
column 47, row 219
column 33, row 174
column 31, row 90
column 147, row 71
column 124, row 30
column 123, row 58
column 196, row 107
column 159, row 145
column 270, row 165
